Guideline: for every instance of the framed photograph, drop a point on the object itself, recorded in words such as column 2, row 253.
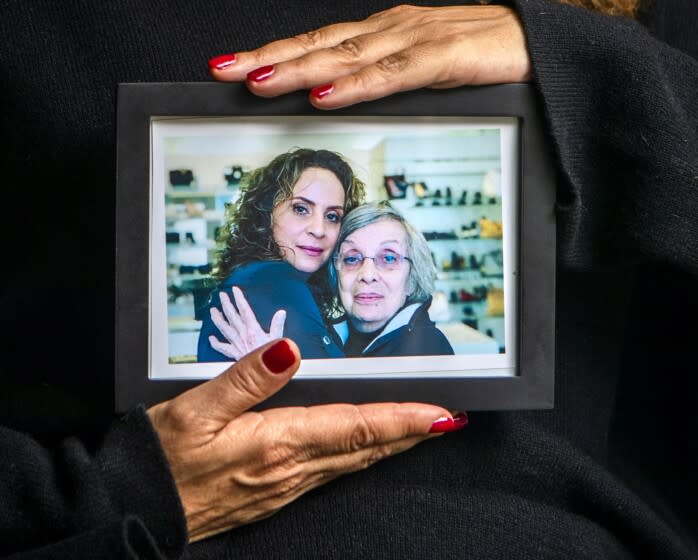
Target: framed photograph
column 409, row 242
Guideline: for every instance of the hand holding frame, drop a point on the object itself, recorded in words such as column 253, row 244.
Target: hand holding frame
column 403, row 48
column 232, row 466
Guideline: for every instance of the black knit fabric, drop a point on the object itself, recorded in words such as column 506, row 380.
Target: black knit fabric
column 609, row 473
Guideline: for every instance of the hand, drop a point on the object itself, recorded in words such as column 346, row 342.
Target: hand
column 241, row 329
column 403, row 48
column 233, row 467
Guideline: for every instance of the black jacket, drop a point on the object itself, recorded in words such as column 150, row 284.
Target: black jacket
column 410, row 333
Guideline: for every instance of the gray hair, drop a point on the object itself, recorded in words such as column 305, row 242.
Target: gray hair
column 422, row 269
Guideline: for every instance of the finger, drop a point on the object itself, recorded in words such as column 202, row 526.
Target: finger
column 387, row 76
column 276, row 330
column 329, row 64
column 233, row 317
column 345, row 463
column 399, row 29
column 328, row 430
column 474, row 45
column 253, row 379
column 234, row 68
column 246, row 315
column 450, row 62
column 228, row 350
column 228, row 331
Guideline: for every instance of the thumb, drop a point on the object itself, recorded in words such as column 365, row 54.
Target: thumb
column 255, row 378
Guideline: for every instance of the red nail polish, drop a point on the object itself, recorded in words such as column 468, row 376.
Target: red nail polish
column 222, row 62
column 279, row 357
column 460, row 421
column 321, row 91
column 445, row 424
column 260, row 73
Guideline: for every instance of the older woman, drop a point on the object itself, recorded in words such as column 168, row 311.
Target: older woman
column 276, row 242
column 384, row 275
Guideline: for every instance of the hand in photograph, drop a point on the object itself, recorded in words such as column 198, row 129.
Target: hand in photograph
column 400, row 49
column 232, row 466
column 242, row 331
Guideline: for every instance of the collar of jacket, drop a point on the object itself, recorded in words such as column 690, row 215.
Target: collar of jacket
column 400, row 319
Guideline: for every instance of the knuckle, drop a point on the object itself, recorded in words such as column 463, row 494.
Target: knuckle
column 400, row 8
column 392, row 64
column 362, row 435
column 310, row 39
column 350, row 48
column 180, row 415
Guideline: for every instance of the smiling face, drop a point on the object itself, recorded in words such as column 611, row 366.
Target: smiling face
column 372, row 296
column 306, row 225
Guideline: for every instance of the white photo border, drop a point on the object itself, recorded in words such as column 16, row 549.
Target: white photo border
column 459, row 365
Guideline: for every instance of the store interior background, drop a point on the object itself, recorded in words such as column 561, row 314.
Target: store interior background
column 451, row 183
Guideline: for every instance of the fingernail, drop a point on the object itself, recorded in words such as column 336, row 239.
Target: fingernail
column 260, row 74
column 443, row 424
column 321, row 91
column 279, row 357
column 446, row 424
column 222, row 62
column 460, row 420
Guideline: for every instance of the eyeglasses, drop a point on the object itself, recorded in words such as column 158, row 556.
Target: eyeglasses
column 384, row 260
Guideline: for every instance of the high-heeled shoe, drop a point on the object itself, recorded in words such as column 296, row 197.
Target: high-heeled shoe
column 420, row 189
column 395, row 185
column 468, row 296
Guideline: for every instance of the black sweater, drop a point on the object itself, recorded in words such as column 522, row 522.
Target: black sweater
column 609, row 473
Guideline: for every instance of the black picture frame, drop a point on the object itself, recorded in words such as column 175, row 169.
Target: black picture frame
column 532, row 385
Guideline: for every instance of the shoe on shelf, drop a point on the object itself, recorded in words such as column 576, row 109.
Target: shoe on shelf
column 468, row 296
column 420, row 189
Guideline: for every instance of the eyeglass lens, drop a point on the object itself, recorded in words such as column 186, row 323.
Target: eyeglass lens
column 384, row 260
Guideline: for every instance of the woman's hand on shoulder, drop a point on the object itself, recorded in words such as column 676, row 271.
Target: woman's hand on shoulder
column 233, row 466
column 240, row 327
column 403, row 48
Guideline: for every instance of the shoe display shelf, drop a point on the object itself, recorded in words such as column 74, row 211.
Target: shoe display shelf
column 451, row 195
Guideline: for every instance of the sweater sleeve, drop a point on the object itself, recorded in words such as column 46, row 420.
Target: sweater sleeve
column 65, row 503
column 623, row 114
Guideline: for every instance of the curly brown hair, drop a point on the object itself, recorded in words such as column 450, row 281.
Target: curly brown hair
column 246, row 235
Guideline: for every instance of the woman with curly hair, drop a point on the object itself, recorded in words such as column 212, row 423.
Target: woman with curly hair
column 276, row 243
